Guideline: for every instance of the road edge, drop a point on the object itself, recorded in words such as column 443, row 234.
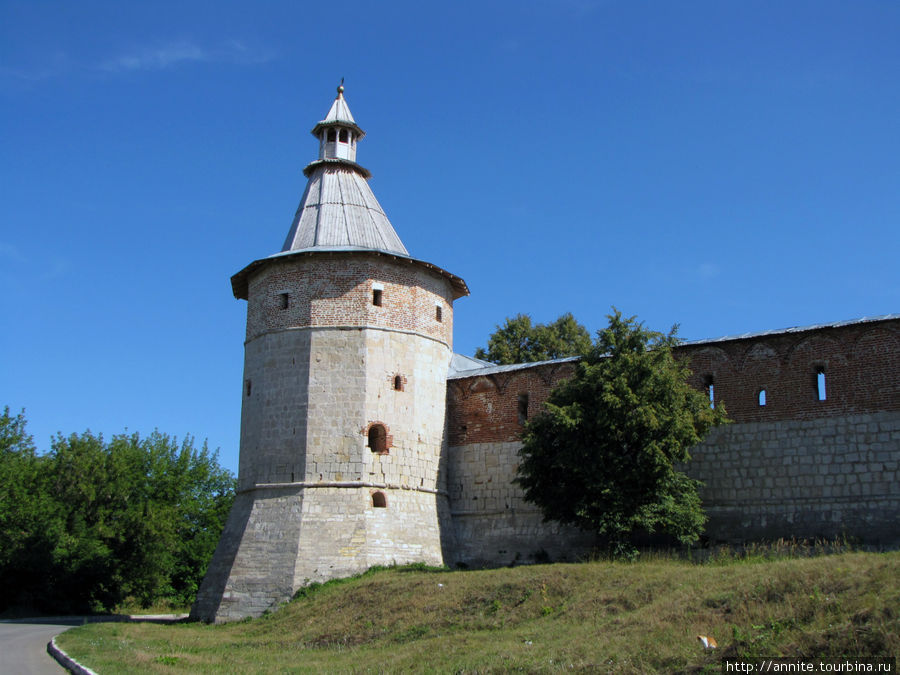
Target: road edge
column 67, row 661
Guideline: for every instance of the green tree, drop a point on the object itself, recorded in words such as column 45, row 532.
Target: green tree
column 518, row 341
column 603, row 454
column 17, row 475
column 142, row 515
column 27, row 514
column 92, row 522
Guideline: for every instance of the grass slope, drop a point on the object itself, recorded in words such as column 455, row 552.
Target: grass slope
column 612, row 617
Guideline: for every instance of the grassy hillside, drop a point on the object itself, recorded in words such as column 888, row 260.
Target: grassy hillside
column 613, row 617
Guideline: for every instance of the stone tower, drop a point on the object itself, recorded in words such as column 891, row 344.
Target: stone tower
column 347, row 350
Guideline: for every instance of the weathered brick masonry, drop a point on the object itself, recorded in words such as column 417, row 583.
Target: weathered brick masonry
column 795, row 466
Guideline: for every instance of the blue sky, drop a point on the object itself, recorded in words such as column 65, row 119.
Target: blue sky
column 728, row 166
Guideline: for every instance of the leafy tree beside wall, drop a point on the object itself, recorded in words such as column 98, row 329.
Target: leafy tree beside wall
column 603, row 454
column 519, row 341
column 91, row 522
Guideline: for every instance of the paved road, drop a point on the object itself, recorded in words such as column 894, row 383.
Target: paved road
column 23, row 646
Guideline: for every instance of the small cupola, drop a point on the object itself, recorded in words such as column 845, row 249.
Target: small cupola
column 338, row 132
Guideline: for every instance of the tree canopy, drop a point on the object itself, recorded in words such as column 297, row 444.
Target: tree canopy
column 518, row 341
column 604, row 452
column 91, row 523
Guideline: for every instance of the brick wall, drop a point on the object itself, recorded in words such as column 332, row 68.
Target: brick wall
column 336, row 289
column 861, row 364
column 485, row 408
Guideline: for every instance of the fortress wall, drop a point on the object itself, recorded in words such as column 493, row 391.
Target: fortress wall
column 486, row 408
column 809, row 478
column 797, row 466
column 860, row 362
column 493, row 524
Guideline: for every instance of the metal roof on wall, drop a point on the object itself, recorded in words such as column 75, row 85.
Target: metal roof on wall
column 466, row 366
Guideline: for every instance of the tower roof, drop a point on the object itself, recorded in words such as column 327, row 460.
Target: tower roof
column 338, row 114
column 338, row 210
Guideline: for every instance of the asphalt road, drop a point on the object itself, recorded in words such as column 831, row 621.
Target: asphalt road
column 23, row 645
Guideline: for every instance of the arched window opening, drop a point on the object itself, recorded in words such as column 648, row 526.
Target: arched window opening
column 820, row 383
column 762, row 397
column 379, row 501
column 378, row 439
column 332, row 135
column 345, row 136
column 398, row 383
column 711, row 391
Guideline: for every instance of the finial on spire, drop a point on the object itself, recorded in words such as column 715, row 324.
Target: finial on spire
column 340, row 88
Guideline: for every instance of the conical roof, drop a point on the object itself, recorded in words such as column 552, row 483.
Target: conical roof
column 339, row 115
column 338, row 210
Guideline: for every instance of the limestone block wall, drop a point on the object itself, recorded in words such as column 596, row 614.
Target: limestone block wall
column 275, row 407
column 825, row 478
column 252, row 569
column 493, row 524
column 343, row 533
column 406, row 391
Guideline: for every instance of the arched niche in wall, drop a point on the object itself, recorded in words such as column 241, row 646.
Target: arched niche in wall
column 811, row 360
column 712, row 365
column 874, row 366
column 378, row 440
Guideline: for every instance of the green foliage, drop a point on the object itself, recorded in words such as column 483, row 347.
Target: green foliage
column 518, row 341
column 603, row 453
column 92, row 523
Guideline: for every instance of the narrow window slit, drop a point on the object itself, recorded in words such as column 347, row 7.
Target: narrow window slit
column 523, row 408
column 762, row 397
column 376, row 297
column 820, row 384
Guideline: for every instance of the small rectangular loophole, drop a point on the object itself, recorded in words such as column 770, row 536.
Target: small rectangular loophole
column 376, row 297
